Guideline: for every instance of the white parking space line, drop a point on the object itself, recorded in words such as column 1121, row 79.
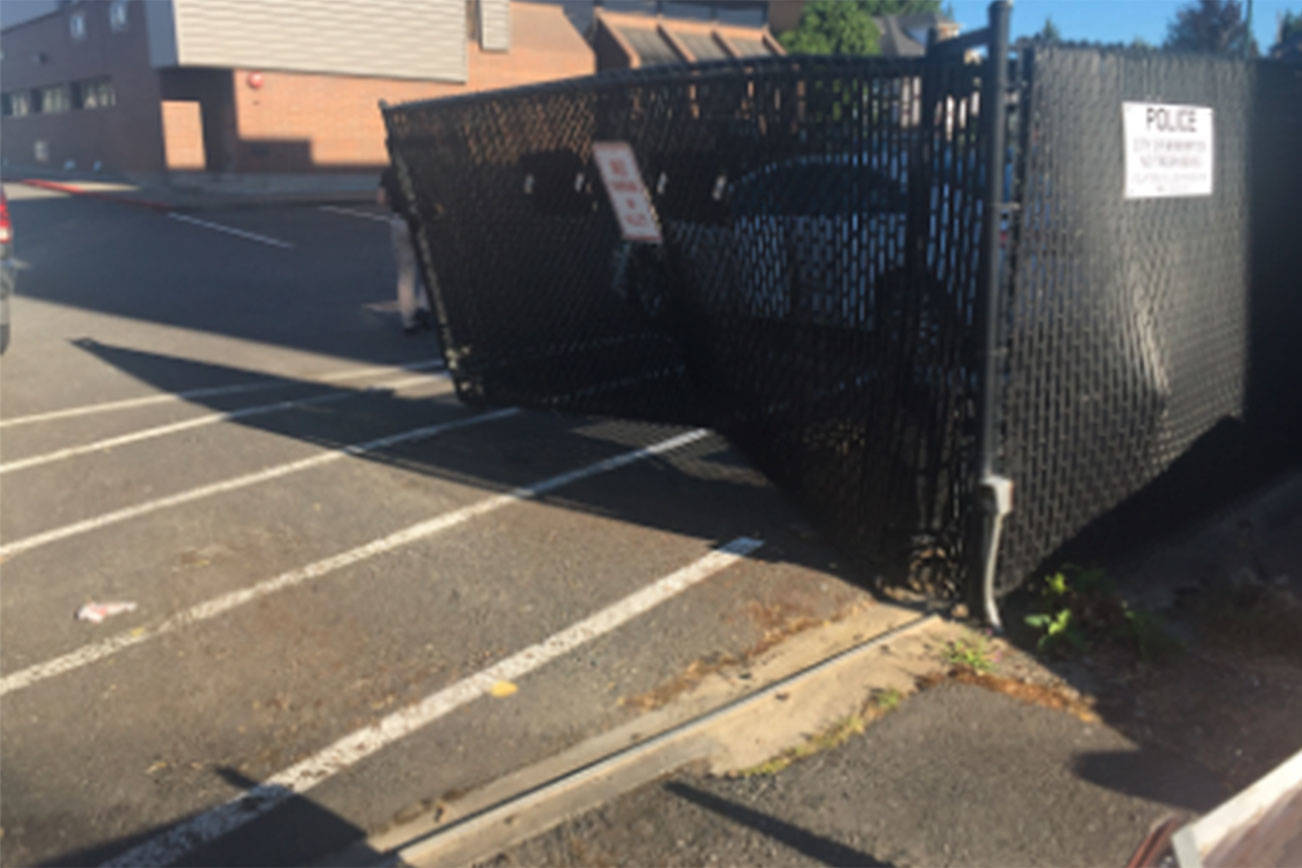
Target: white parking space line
column 211, row 418
column 209, row 609
column 235, row 483
column 351, row 212
column 231, row 230
column 211, row 391
column 175, row 843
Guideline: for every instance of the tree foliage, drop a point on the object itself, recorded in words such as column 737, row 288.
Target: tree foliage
column 1290, row 26
column 1211, row 25
column 847, row 26
column 1048, row 33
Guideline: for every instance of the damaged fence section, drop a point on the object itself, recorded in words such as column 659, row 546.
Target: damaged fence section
column 858, row 283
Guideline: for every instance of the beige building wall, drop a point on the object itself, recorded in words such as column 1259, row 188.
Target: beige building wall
column 294, row 122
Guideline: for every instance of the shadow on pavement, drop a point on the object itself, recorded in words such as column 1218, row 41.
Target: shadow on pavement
column 105, row 258
column 1153, row 774
column 1209, row 559
column 292, row 833
column 716, row 494
column 814, row 846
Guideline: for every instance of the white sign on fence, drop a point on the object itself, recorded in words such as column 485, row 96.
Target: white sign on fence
column 1168, row 150
column 628, row 196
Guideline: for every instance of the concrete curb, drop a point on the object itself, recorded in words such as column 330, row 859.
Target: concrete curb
column 197, row 201
column 74, row 190
column 730, row 733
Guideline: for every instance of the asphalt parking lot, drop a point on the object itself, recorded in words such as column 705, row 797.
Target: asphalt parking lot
column 352, row 593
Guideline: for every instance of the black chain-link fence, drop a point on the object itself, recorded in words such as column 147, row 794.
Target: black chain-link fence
column 812, row 298
column 817, row 291
column 1131, row 323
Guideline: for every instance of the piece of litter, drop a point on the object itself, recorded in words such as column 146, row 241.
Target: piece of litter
column 502, row 689
column 96, row 612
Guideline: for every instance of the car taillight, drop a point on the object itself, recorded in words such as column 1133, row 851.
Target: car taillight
column 6, row 228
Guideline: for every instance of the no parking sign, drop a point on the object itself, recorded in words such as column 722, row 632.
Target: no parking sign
column 628, row 195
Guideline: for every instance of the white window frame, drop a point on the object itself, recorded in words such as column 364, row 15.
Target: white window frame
column 20, row 99
column 77, row 25
column 117, row 15
column 102, row 92
column 49, row 93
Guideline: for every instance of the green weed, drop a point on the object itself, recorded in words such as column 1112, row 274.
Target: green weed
column 887, row 699
column 1080, row 607
column 971, row 654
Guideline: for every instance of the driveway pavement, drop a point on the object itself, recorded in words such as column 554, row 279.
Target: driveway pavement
column 334, row 563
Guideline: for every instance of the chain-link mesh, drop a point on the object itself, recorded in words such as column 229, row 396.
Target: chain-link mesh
column 814, row 296
column 812, row 299
column 1127, row 319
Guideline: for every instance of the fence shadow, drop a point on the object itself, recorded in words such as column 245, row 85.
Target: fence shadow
column 725, row 489
column 296, row 831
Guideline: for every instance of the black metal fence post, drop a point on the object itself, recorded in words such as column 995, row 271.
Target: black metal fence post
column 994, row 492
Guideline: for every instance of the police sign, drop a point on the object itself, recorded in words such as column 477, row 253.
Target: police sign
column 1168, row 150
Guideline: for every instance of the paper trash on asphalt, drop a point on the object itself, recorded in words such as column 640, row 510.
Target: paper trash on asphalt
column 96, row 612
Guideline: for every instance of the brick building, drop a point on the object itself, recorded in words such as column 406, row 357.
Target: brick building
column 146, row 87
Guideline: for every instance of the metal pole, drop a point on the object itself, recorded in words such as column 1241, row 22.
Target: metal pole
column 1247, row 35
column 994, row 492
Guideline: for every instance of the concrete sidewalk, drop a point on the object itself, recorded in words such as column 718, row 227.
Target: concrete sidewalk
column 964, row 775
column 959, row 775
column 197, row 191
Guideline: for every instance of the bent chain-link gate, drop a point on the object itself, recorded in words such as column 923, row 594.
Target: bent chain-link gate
column 831, row 293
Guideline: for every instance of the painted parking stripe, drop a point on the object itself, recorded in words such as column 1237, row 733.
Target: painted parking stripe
column 352, row 212
column 231, row 230
column 209, row 609
column 211, row 418
column 212, row 391
column 176, row 842
column 238, row 482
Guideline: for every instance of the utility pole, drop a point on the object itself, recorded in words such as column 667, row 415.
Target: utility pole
column 1247, row 38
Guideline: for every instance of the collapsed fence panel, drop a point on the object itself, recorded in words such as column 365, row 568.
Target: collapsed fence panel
column 812, row 298
column 818, row 293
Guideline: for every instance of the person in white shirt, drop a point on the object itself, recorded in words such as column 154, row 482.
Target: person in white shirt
column 413, row 306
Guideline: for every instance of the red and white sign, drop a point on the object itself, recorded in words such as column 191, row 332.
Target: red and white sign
column 628, row 195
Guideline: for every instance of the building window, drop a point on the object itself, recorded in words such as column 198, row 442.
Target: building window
column 117, row 13
column 494, row 25
column 54, row 99
column 97, row 93
column 77, row 25
column 17, row 104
